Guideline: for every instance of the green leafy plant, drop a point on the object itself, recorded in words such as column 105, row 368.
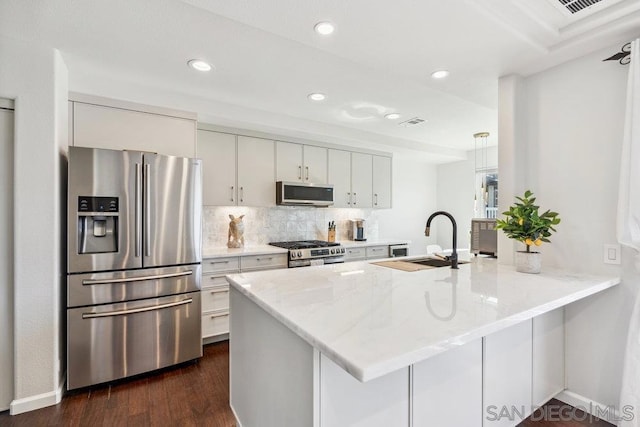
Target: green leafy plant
column 522, row 222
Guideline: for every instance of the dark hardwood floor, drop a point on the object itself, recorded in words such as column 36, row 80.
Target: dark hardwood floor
column 558, row 414
column 192, row 394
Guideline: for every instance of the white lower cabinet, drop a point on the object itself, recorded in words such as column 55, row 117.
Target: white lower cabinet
column 507, row 375
column 548, row 356
column 215, row 323
column 360, row 253
column 374, row 252
column 355, row 254
column 447, row 388
column 345, row 401
column 215, row 296
column 263, row 262
column 278, row 379
column 215, row 288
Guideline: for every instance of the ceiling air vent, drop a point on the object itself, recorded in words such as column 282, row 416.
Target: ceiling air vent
column 412, row 122
column 575, row 6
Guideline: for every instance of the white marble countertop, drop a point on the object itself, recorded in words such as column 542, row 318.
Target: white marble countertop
column 222, row 251
column 373, row 320
column 377, row 242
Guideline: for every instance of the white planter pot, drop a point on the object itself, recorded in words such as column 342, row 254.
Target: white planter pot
column 528, row 262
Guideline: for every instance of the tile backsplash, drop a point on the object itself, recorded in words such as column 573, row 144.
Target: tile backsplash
column 282, row 223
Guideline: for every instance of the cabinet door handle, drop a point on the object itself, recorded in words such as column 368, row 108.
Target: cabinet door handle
column 241, row 194
column 348, row 198
column 213, row 316
column 307, row 170
column 300, row 173
column 375, row 196
column 219, row 291
column 232, row 193
column 355, row 199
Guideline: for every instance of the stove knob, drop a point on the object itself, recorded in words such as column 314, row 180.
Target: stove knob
column 299, row 254
column 333, row 251
column 342, row 250
column 293, row 254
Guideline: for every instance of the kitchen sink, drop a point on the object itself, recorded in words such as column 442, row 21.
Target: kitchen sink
column 434, row 262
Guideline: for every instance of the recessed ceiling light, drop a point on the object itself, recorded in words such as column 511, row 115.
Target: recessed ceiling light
column 317, row 96
column 440, row 74
column 392, row 116
column 324, row 28
column 199, row 64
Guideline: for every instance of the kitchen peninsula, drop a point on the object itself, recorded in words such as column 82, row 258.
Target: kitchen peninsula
column 360, row 344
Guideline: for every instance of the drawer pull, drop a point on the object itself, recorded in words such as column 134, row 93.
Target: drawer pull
column 219, row 262
column 219, row 291
column 136, row 278
column 264, row 259
column 213, row 316
column 94, row 315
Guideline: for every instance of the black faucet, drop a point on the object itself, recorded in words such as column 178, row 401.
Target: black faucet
column 454, row 255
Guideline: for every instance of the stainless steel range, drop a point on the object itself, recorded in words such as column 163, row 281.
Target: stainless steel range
column 305, row 253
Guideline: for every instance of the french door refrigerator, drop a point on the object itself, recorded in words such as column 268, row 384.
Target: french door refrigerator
column 134, row 263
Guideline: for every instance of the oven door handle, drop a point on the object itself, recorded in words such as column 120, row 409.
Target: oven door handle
column 136, row 279
column 94, row 315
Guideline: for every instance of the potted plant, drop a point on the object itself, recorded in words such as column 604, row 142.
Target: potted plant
column 522, row 222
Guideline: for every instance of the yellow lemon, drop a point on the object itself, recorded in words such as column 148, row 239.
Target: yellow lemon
column 521, row 221
column 528, row 241
column 538, row 242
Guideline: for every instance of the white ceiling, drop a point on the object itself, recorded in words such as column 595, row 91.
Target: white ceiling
column 268, row 58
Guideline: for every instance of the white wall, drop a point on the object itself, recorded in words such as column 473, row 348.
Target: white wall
column 565, row 133
column 37, row 79
column 456, row 182
column 414, row 199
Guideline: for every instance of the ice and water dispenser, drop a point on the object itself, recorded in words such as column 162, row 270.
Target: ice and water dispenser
column 97, row 224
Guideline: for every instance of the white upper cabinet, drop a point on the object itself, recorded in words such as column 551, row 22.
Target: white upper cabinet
column 301, row 163
column 113, row 128
column 256, row 172
column 361, row 180
column 242, row 171
column 340, row 176
column 218, row 153
column 315, row 164
column 381, row 182
column 288, row 162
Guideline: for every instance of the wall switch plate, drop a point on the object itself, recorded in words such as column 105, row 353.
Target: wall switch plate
column 612, row 254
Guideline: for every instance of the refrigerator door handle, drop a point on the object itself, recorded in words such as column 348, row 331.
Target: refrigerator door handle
column 138, row 211
column 93, row 315
column 136, row 279
column 147, row 211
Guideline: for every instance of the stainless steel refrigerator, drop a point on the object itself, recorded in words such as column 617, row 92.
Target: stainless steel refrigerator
column 134, row 263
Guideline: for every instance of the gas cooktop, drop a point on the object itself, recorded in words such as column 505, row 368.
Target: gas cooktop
column 304, row 244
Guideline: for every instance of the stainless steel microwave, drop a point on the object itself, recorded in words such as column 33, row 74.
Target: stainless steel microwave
column 304, row 194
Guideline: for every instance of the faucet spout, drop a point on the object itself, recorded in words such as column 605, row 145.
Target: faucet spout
column 454, row 254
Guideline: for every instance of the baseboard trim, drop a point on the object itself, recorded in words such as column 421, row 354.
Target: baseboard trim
column 604, row 412
column 31, row 403
column 238, row 424
column 553, row 395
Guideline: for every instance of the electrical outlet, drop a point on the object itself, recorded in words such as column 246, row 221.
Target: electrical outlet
column 612, row 254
